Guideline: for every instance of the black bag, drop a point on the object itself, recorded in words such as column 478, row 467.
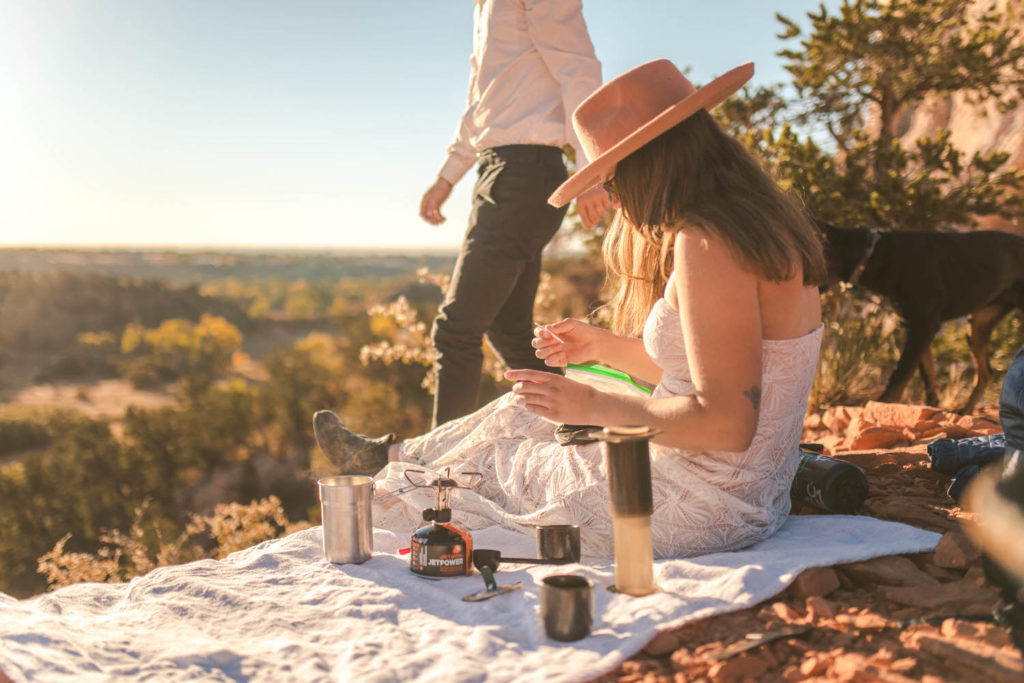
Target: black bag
column 575, row 435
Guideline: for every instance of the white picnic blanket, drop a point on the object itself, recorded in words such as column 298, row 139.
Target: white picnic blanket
column 279, row 612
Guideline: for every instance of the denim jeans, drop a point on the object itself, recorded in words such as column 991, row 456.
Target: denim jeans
column 1011, row 403
column 497, row 272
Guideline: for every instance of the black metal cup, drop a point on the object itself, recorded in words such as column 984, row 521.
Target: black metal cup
column 567, row 606
column 559, row 542
column 482, row 557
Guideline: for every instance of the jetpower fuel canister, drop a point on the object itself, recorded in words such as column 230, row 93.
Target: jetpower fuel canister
column 441, row 549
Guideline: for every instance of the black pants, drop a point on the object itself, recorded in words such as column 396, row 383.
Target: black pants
column 497, row 272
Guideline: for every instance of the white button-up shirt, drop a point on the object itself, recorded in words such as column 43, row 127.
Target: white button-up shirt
column 532, row 64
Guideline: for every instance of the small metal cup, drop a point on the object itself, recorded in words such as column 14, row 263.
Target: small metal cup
column 567, row 606
column 559, row 542
column 346, row 506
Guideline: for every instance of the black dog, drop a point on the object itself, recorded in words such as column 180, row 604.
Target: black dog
column 932, row 277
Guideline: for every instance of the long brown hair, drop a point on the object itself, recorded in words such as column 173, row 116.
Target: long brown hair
column 695, row 175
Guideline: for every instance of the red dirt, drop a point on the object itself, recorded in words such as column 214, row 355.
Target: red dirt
column 919, row 617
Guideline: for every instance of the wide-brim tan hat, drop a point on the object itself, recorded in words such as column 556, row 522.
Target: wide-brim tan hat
column 629, row 111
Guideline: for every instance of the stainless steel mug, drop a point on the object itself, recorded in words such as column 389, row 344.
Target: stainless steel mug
column 567, row 606
column 346, row 506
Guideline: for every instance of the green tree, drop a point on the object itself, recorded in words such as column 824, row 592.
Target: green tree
column 893, row 54
column 197, row 353
column 856, row 74
column 75, row 486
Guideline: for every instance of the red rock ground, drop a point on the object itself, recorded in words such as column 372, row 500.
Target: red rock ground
column 919, row 617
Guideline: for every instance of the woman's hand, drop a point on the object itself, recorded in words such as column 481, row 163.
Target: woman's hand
column 554, row 397
column 567, row 341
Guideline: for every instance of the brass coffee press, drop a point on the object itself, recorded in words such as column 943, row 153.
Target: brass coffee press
column 627, row 456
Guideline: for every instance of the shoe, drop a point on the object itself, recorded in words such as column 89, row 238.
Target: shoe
column 351, row 453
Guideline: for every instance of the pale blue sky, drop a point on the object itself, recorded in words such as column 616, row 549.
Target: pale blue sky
column 308, row 123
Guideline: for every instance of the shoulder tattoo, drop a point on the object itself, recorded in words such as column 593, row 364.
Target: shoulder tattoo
column 754, row 394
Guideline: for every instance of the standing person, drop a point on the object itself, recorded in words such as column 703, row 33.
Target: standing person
column 532, row 64
column 718, row 307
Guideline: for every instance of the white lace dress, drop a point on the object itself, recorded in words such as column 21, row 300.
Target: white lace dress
column 704, row 501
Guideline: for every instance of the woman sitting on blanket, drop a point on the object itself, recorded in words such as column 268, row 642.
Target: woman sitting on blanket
column 718, row 271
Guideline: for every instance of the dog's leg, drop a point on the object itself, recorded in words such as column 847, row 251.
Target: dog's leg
column 983, row 321
column 927, row 369
column 919, row 337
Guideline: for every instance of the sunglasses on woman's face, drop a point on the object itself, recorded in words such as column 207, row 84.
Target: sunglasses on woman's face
column 609, row 187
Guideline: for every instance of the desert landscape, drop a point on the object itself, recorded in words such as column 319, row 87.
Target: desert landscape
column 210, row 242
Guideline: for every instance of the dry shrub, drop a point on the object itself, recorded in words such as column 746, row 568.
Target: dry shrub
column 64, row 568
column 231, row 527
column 954, row 365
column 858, row 349
column 121, row 557
column 408, row 337
column 235, row 526
column 408, row 340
